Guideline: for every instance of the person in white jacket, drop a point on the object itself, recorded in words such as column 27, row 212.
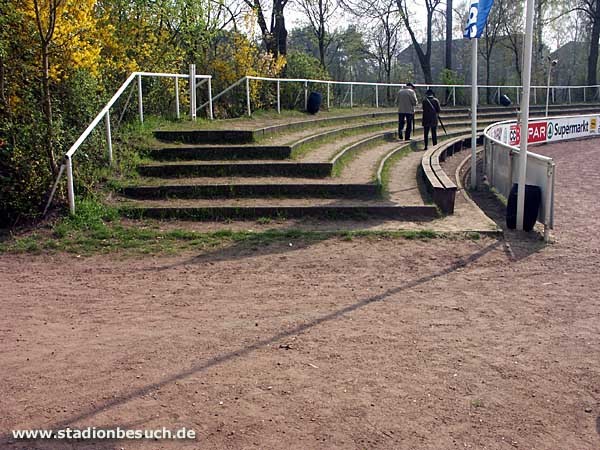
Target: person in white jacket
column 407, row 100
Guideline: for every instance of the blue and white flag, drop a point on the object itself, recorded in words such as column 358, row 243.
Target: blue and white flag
column 478, row 14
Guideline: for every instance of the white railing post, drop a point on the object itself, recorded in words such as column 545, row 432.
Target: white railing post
column 569, row 95
column 248, row 110
column 210, row 100
column 278, row 97
column 376, row 96
column 553, row 95
column 192, row 83
column 305, row 95
column 584, row 95
column 518, row 96
column 454, row 96
column 534, row 96
column 177, row 97
column 140, row 99
column 351, row 95
column 108, row 138
column 70, row 188
column 328, row 88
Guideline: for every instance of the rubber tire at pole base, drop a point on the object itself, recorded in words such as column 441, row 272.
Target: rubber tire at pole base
column 533, row 200
column 314, row 103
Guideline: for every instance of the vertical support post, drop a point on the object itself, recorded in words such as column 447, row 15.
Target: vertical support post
column 569, row 95
column 248, row 110
column 278, row 97
column 553, row 95
column 454, row 96
column 534, row 96
column 210, row 100
column 108, row 138
column 584, row 100
column 193, row 91
column 305, row 95
column 328, row 89
column 518, row 95
column 474, row 101
column 526, row 83
column 498, row 94
column 376, row 96
column 548, row 201
column 177, row 98
column 140, row 99
column 351, row 96
column 70, row 188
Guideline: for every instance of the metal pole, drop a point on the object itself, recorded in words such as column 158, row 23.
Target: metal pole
column 305, row 95
column 534, row 96
column 376, row 96
column 553, row 95
column 328, row 88
column 248, row 97
column 528, row 50
column 474, row 113
column 569, row 95
column 351, row 95
column 140, row 100
column 210, row 100
column 177, row 97
column 454, row 96
column 108, row 138
column 584, row 95
column 518, row 99
column 548, row 88
column 193, row 91
column 70, row 188
column 278, row 97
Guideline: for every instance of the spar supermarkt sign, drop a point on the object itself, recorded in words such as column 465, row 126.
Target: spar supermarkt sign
column 553, row 130
column 571, row 128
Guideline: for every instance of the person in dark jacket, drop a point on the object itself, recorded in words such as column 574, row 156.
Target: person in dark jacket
column 431, row 109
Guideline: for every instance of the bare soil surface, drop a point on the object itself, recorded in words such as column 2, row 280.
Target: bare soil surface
column 369, row 343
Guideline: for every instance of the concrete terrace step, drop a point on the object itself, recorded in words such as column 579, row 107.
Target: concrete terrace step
column 259, row 190
column 278, row 208
column 240, row 169
column 221, row 152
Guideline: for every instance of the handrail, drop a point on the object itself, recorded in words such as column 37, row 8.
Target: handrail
column 105, row 114
column 376, row 85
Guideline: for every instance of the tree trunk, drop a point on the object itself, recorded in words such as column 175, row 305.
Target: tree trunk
column 279, row 31
column 322, row 46
column 47, row 108
column 593, row 59
column 449, row 34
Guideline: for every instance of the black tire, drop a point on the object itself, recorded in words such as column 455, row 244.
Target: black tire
column 533, row 200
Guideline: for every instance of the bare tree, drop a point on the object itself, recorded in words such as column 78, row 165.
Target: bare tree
column 275, row 34
column 319, row 13
column 423, row 55
column 46, row 12
column 592, row 9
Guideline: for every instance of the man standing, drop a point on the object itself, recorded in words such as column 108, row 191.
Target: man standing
column 407, row 100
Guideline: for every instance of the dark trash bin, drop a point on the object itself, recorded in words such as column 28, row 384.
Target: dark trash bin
column 314, row 103
column 533, row 200
column 505, row 101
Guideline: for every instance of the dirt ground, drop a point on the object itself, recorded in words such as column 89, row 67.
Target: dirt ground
column 368, row 343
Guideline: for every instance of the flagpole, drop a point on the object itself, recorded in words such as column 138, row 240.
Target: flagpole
column 474, row 99
column 526, row 81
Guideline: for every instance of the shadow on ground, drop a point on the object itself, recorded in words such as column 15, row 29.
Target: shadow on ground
column 241, row 352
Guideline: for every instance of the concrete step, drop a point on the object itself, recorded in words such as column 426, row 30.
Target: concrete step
column 240, row 169
column 288, row 189
column 221, row 152
column 250, row 209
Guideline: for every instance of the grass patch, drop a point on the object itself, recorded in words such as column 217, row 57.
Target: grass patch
column 95, row 230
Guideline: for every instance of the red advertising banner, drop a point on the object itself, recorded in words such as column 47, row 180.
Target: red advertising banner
column 537, row 133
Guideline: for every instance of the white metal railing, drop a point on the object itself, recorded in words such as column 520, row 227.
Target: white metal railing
column 501, row 152
column 587, row 92
column 105, row 114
